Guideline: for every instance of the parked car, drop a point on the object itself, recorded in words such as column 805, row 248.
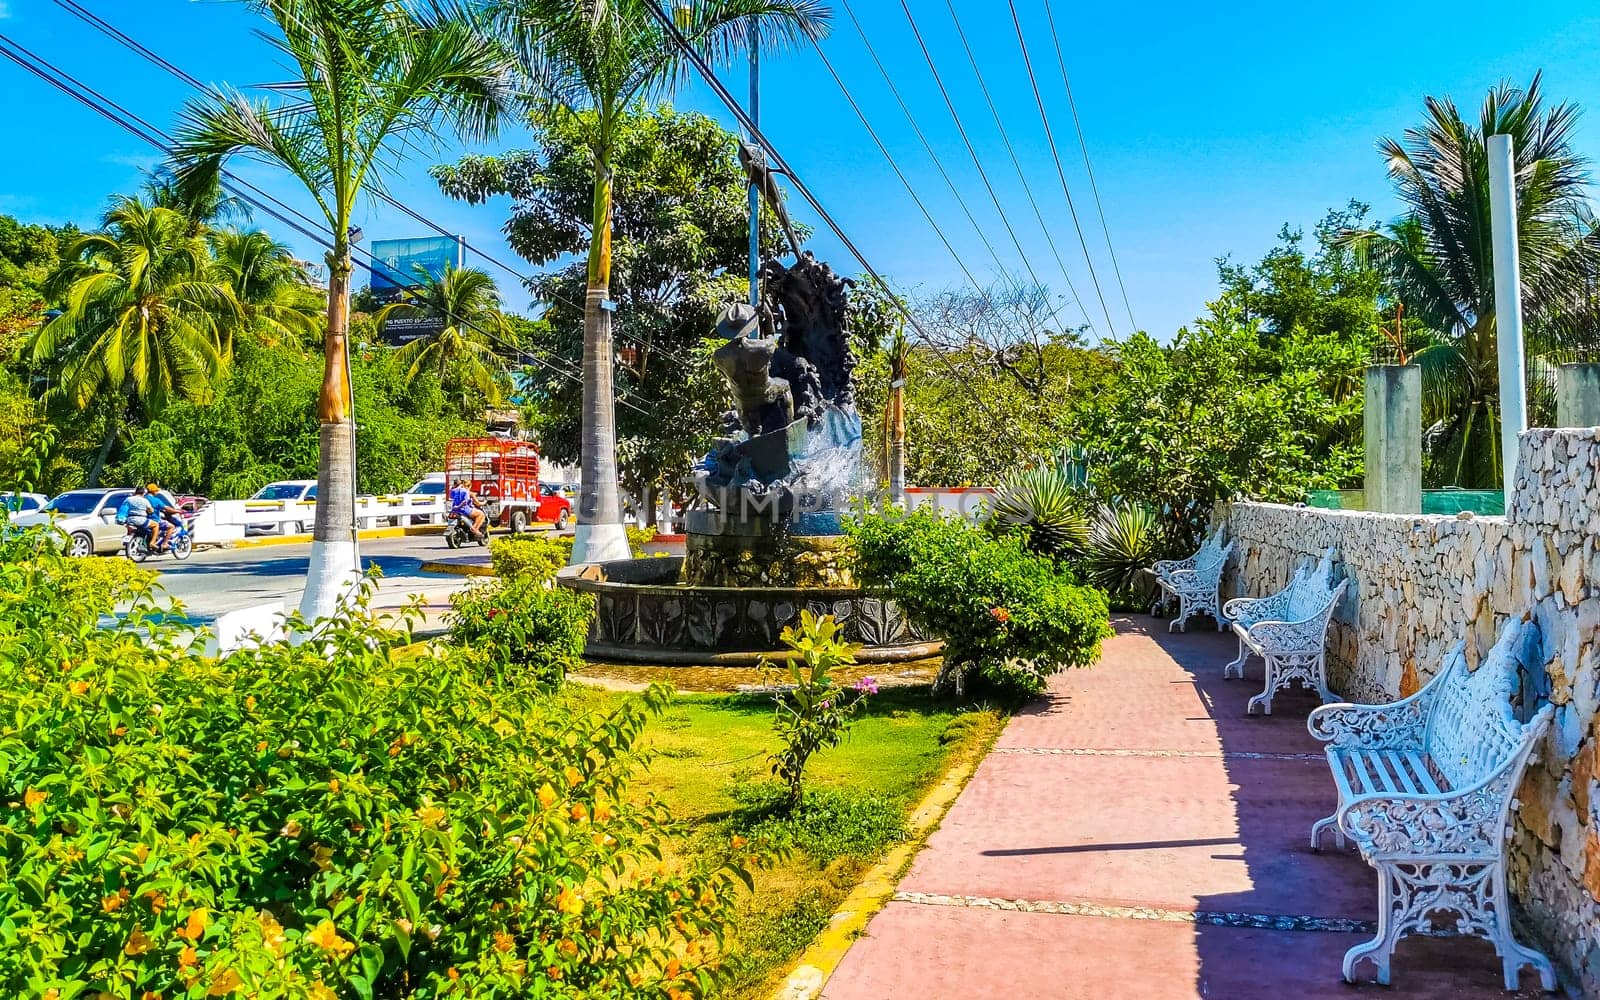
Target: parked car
column 554, row 507
column 286, row 493
column 87, row 520
column 431, row 485
column 192, row 505
column 18, row 504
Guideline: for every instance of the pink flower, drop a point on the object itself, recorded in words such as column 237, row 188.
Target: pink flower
column 866, row 685
column 1000, row 615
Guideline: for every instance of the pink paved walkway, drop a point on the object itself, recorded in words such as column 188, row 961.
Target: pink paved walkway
column 1135, row 835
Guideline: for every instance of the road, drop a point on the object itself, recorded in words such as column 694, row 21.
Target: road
column 215, row 581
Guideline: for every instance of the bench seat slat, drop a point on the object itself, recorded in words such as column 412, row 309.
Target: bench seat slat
column 1419, row 766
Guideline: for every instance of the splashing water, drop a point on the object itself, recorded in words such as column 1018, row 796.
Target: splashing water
column 830, row 471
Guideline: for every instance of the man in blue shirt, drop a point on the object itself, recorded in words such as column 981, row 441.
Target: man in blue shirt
column 137, row 513
column 464, row 503
column 166, row 513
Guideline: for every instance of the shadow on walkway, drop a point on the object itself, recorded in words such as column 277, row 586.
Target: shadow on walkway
column 1135, row 834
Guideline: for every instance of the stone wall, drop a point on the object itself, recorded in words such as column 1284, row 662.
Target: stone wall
column 1421, row 583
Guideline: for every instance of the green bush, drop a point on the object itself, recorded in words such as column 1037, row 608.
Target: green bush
column 321, row 821
column 1046, row 504
column 813, row 712
column 522, row 625
column 536, row 557
column 1009, row 618
column 1124, row 543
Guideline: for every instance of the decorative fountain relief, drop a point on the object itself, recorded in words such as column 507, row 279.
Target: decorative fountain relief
column 764, row 536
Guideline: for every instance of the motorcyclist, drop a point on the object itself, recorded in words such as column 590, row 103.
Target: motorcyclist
column 169, row 518
column 463, row 502
column 138, row 514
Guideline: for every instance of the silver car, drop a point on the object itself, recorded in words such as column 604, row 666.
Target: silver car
column 87, row 520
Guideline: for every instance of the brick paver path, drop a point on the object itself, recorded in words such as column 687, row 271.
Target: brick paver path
column 1135, row 835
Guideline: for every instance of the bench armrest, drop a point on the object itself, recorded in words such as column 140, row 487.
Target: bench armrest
column 1470, row 822
column 1167, row 567
column 1247, row 611
column 1397, row 726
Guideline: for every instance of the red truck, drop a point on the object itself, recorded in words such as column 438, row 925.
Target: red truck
column 504, row 475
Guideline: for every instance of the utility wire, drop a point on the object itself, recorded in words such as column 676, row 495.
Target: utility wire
column 1060, row 171
column 309, row 228
column 976, row 160
column 703, row 68
column 1061, row 61
column 911, row 119
column 527, row 281
column 1016, row 161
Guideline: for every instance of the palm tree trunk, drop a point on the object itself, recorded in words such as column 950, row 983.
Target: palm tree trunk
column 897, row 443
column 93, row 478
column 335, row 563
column 599, row 534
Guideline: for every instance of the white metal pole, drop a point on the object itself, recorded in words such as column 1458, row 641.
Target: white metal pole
column 1507, row 303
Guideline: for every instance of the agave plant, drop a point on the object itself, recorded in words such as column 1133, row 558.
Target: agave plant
column 1046, row 503
column 1123, row 543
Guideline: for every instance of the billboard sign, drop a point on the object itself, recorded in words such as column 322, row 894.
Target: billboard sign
column 396, row 267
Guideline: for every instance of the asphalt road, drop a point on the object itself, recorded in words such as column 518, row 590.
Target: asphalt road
column 215, row 581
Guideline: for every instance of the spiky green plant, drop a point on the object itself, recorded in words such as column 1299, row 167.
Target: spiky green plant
column 1124, row 542
column 1046, row 504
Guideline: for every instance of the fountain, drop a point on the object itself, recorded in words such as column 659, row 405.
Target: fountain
column 764, row 535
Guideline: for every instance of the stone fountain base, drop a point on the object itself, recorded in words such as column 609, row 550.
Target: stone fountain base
column 644, row 615
column 767, row 560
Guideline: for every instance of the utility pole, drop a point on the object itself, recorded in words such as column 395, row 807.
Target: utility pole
column 755, row 193
column 1507, row 303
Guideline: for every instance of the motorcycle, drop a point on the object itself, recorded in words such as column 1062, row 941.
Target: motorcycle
column 458, row 532
column 136, row 546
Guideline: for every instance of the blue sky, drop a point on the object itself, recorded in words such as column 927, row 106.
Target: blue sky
column 1209, row 126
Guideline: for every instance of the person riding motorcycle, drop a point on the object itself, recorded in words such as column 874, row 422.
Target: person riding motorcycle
column 462, row 502
column 139, row 514
column 168, row 516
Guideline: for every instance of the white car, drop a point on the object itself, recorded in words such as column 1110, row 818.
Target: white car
column 87, row 520
column 287, row 494
column 432, row 485
column 18, row 504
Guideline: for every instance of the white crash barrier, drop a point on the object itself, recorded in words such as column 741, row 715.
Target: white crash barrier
column 225, row 520
column 234, row 630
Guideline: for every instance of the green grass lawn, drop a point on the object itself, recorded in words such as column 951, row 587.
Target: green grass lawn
column 711, row 768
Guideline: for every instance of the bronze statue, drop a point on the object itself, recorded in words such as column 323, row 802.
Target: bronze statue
column 764, row 178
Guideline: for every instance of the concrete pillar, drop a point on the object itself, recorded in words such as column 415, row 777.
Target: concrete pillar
column 1393, row 436
column 1578, row 395
column 1507, row 302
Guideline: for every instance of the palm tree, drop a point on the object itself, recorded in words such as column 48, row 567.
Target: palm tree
column 199, row 195
column 272, row 286
column 146, row 318
column 601, row 57
column 375, row 78
column 465, row 305
column 894, row 415
column 1439, row 260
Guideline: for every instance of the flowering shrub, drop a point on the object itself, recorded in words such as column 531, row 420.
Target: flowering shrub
column 521, row 625
column 815, row 712
column 320, row 821
column 1009, row 618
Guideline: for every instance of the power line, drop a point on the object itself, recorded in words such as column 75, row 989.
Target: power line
column 1055, row 155
column 1016, row 162
column 243, row 189
column 973, row 153
column 1061, row 61
column 710, row 77
column 921, row 136
column 122, row 37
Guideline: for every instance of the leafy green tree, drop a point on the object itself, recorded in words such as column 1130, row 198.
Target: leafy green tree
column 272, row 287
column 372, row 78
column 465, row 305
column 28, row 255
column 1439, row 260
column 679, row 245
column 600, row 57
column 146, row 319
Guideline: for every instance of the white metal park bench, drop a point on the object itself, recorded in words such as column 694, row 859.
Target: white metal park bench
column 1289, row 631
column 1426, row 789
column 1194, row 582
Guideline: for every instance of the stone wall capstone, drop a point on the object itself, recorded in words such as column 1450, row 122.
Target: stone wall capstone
column 1419, row 584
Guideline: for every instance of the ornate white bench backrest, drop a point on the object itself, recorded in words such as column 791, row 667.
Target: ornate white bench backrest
column 1473, row 730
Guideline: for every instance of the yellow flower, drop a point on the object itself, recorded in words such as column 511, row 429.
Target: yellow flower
column 138, row 942
column 188, row 957
column 569, row 902
column 199, row 919
column 290, row 829
column 580, row 811
column 322, row 857
column 250, row 702
column 113, row 902
column 568, row 947
column 226, row 982
column 33, row 798
column 504, row 942
column 547, row 795
column 574, row 779
column 333, row 786
column 79, row 687
column 602, row 812
column 739, row 842
column 321, row 992
column 326, row 936
column 272, row 936
column 430, row 815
